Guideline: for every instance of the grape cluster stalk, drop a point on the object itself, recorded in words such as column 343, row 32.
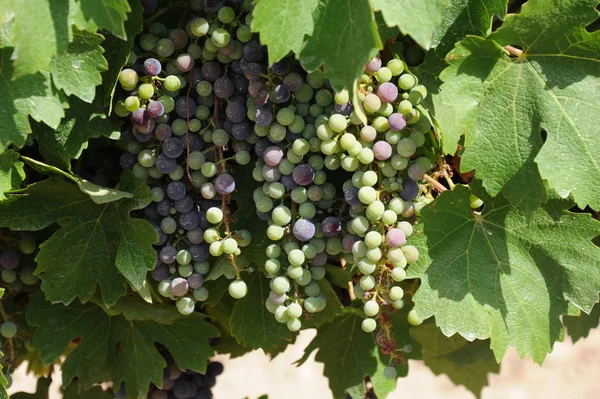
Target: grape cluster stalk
column 334, row 191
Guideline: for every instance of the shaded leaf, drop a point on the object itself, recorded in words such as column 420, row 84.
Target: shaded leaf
column 579, row 327
column 11, row 172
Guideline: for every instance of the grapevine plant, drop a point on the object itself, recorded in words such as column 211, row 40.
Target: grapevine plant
column 178, row 178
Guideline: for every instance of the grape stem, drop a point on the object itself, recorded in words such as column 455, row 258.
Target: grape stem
column 435, row 183
column 350, row 285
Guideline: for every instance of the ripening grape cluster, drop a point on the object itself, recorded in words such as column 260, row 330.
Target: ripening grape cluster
column 333, row 190
column 16, row 263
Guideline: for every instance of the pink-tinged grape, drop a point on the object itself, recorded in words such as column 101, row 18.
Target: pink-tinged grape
column 372, row 103
column 9, row 259
column 373, row 65
column 155, row 109
column 387, row 92
column 179, row 286
column 225, row 184
column 396, row 122
column 395, row 238
column 382, row 150
column 185, row 62
column 139, row 117
column 416, row 172
column 152, row 67
column 368, row 134
column 303, row 230
column 273, row 156
column 303, row 174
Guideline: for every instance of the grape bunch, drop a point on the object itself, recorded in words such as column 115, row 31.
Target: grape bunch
column 178, row 384
column 16, row 263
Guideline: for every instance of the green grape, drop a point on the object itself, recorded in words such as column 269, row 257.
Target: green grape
column 280, row 285
column 367, row 195
column 275, row 232
column 168, row 225
column 390, row 373
column 411, row 253
column 8, row 329
column 309, row 250
column 238, row 289
column 405, row 107
column 294, row 310
column 366, row 156
column 307, row 210
column 294, row 272
column 172, row 83
column 272, row 266
column 204, row 88
column 226, row 14
column 285, row 116
column 220, row 137
column 208, row 169
column 146, row 91
column 230, row 246
column 271, row 307
column 167, row 102
column 315, row 304
column 296, row 257
column 299, row 195
column 366, row 266
column 315, row 79
column 338, row 123
column 342, row 97
column 121, row 110
column 384, row 74
column 368, row 325
column 216, row 248
column 177, row 174
column 164, row 288
column 371, row 308
column 475, row 202
column 9, row 276
column 242, row 157
column 128, row 79
column 201, row 294
column 281, row 314
column 398, row 274
column 399, row 304
column 185, row 305
column 146, row 158
column 367, row 282
column 214, row 215
column 297, row 125
column 201, row 267
column 184, row 257
column 372, row 103
column 282, row 215
column 407, row 81
column 211, row 235
column 317, row 272
column 27, row 276
column 244, row 34
column 312, row 289
column 195, row 160
column 264, row 204
column 406, row 147
column 132, row 103
column 220, row 37
column 395, row 66
column 386, row 110
column 294, row 324
column 369, row 178
column 374, row 254
column 414, row 319
column 373, row 239
column 419, row 139
column 396, row 293
column 389, row 217
column 360, row 225
column 375, row 210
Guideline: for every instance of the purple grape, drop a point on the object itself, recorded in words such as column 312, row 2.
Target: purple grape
column 161, row 272
column 185, row 107
column 241, row 84
column 271, row 173
column 273, row 155
column 204, row 223
column 155, row 109
column 331, row 226
column 229, row 48
column 280, row 94
column 281, row 67
column 345, row 109
column 320, row 259
column 262, row 98
column 373, row 65
column 223, row 87
column 150, row 212
column 165, row 164
column 351, row 196
column 416, row 172
column 387, row 92
column 213, row 5
column 278, row 299
column 252, row 71
column 179, row 38
column 173, row 147
column 189, row 221
column 253, row 51
column 254, row 87
column 348, row 241
column 194, row 141
column 140, row 117
column 303, row 229
column 288, row 182
column 261, row 145
column 225, row 184
column 176, row 190
column 145, row 129
column 293, row 81
column 396, row 122
column 163, row 208
column 9, row 259
column 395, row 238
column 266, row 216
column 195, row 281
column 195, row 236
column 167, row 254
column 303, row 174
column 236, row 111
column 382, row 150
column 263, row 116
column 199, row 252
column 241, row 131
column 152, row 67
column 185, row 62
column 162, row 131
column 410, row 190
column 179, row 286
column 127, row 160
column 150, row 6
column 211, row 71
column 162, row 237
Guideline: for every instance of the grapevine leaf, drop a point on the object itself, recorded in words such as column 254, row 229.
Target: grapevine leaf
column 282, row 25
column 466, row 363
column 98, row 194
column 382, row 386
column 251, row 324
column 133, row 308
column 346, row 351
column 338, row 276
column 24, row 96
column 115, row 348
column 107, row 14
column 41, row 391
column 501, row 104
column 117, row 50
column 102, row 237
column 579, row 327
column 408, row 15
column 72, row 392
column 385, row 32
column 77, row 70
column 11, row 172
column 334, row 307
column 343, row 40
column 401, row 333
column 474, row 269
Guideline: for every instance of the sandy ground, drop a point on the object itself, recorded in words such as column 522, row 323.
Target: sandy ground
column 571, row 371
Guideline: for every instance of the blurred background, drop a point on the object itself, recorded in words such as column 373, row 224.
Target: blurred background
column 571, row 371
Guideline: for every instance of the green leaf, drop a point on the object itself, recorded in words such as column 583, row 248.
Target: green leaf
column 346, row 351
column 134, row 308
column 416, row 18
column 343, row 41
column 11, row 172
column 41, row 391
column 551, row 86
column 579, row 327
column 98, row 194
column 282, row 25
column 113, row 348
column 385, row 32
column 100, row 244
column 25, row 96
column 251, row 324
column 77, row 70
column 107, row 14
column 382, row 386
column 338, row 276
column 501, row 276
column 117, row 50
column 466, row 363
column 72, row 392
column 334, row 307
